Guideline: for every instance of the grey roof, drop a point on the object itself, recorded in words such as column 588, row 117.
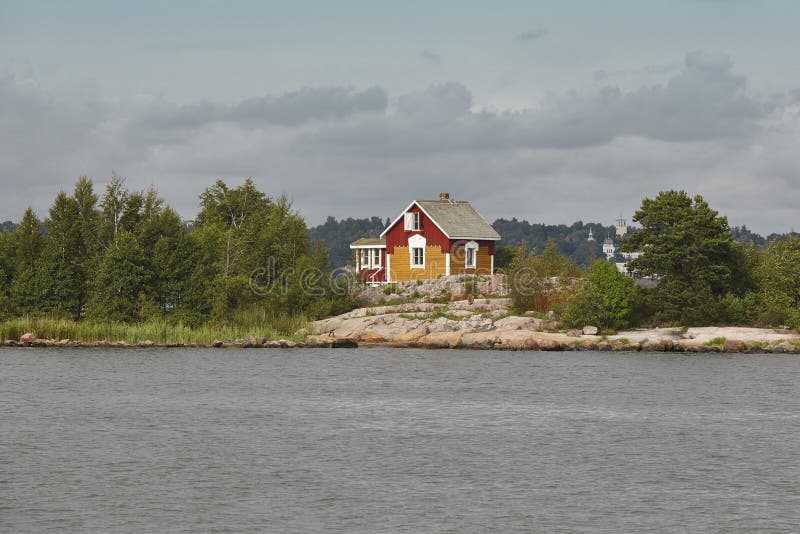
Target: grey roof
column 458, row 219
column 369, row 242
column 608, row 241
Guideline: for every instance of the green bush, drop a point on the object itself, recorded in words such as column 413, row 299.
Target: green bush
column 606, row 299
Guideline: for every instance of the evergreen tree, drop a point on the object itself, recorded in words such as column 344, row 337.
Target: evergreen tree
column 59, row 272
column 123, row 283
column 27, row 245
column 689, row 247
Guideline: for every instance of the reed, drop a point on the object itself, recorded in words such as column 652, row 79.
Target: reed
column 159, row 331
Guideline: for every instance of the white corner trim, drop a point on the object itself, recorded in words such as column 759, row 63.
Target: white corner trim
column 491, row 264
column 388, row 268
column 447, row 264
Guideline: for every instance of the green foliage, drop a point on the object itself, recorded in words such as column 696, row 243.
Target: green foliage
column 716, row 342
column 777, row 275
column 606, row 299
column 541, row 282
column 243, row 324
column 390, row 289
column 121, row 283
column 689, row 247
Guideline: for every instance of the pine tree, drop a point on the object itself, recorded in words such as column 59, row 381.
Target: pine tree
column 58, row 274
column 121, row 281
column 27, row 246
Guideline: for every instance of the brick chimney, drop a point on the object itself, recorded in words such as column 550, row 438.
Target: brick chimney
column 444, row 196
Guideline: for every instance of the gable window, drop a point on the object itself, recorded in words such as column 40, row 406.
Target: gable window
column 471, row 255
column 411, row 222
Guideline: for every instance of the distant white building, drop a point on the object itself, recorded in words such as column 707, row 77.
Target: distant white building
column 609, row 248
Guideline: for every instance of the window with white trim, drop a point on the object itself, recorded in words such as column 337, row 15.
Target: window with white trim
column 364, row 258
column 376, row 257
column 416, row 251
column 411, row 222
column 471, row 255
column 417, row 257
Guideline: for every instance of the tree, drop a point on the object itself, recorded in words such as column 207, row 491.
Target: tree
column 121, row 283
column 777, row 274
column 542, row 283
column 689, row 247
column 27, row 244
column 59, row 272
column 606, row 299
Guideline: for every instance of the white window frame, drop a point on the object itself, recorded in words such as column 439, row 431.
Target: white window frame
column 416, row 242
column 376, row 257
column 364, row 259
column 411, row 221
column 471, row 246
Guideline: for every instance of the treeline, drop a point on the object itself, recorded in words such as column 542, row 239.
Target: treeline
column 699, row 274
column 128, row 257
column 570, row 241
column 337, row 236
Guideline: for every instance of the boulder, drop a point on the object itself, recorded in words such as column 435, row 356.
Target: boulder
column 518, row 323
column 479, row 340
column 370, row 336
column 441, row 340
column 27, row 338
column 784, row 348
column 411, row 336
column 590, row 330
column 574, row 333
column 735, row 345
column 530, row 344
column 330, row 342
column 216, row 343
column 549, row 343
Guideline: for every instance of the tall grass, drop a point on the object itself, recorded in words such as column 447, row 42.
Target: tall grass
column 159, row 331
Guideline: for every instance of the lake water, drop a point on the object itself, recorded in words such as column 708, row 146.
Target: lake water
column 383, row 440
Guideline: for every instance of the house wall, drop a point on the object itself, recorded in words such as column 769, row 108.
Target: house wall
column 483, row 261
column 401, row 271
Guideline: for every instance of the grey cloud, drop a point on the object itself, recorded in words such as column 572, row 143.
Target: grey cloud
column 433, row 57
column 705, row 100
column 531, row 35
column 290, row 109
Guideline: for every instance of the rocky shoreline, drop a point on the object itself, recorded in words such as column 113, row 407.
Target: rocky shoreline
column 484, row 323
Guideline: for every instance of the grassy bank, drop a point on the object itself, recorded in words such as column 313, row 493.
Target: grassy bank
column 158, row 331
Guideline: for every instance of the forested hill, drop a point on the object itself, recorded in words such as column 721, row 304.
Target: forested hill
column 337, row 236
column 571, row 240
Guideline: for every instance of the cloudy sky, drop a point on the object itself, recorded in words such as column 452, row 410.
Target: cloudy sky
column 549, row 111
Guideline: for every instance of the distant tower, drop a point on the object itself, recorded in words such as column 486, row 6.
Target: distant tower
column 591, row 237
column 622, row 226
